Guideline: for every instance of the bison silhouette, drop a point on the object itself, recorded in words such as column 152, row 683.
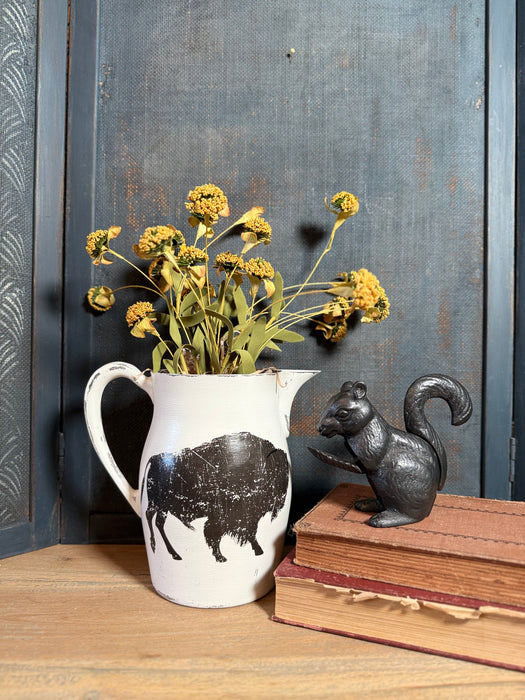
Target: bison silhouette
column 233, row 481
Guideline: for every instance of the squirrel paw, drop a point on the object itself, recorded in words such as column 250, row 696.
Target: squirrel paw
column 391, row 518
column 369, row 505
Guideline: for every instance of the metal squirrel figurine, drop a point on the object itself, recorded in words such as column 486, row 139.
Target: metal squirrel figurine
column 405, row 469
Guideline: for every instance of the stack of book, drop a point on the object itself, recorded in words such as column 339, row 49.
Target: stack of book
column 452, row 584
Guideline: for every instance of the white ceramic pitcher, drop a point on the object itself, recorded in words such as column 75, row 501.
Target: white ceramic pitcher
column 214, row 482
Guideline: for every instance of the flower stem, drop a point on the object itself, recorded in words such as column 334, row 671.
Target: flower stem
column 140, row 286
column 153, row 287
column 325, row 251
column 157, row 334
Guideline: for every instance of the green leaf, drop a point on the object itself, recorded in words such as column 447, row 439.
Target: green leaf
column 284, row 335
column 247, row 365
column 225, row 322
column 187, row 302
column 156, row 356
column 221, row 294
column 228, row 309
column 257, row 337
column 164, row 319
column 176, row 357
column 213, row 355
column 199, row 343
column 241, row 337
column 277, row 298
column 174, row 329
column 341, row 290
column 224, row 303
column 168, row 364
column 176, row 280
column 192, row 319
column 241, row 306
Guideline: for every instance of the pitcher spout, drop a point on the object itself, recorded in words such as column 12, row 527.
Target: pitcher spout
column 289, row 381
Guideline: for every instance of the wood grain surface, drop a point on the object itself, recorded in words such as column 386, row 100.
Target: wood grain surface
column 84, row 622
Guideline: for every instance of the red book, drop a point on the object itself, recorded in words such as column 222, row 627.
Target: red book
column 470, row 547
column 413, row 618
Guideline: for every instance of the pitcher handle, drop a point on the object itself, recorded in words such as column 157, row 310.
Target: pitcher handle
column 93, row 414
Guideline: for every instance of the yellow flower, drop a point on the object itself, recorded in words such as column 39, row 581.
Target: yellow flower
column 138, row 317
column 156, row 240
column 228, row 262
column 189, row 255
column 368, row 295
column 257, row 267
column 233, row 264
column 256, row 230
column 198, row 275
column 100, row 298
column 338, row 308
column 259, row 270
column 346, row 203
column 334, row 332
column 159, row 272
column 367, row 290
column 338, row 332
column 98, row 244
column 365, row 293
column 260, row 227
column 378, row 312
column 138, row 311
column 207, row 201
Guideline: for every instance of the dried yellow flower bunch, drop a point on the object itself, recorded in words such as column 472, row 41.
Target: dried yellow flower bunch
column 205, row 326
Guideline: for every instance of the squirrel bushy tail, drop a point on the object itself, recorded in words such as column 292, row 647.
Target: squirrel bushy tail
column 429, row 387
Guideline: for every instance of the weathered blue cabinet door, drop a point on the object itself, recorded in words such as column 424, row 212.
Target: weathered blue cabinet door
column 519, row 368
column 282, row 104
column 33, row 41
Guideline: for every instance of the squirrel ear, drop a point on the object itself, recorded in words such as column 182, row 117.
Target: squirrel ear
column 359, row 390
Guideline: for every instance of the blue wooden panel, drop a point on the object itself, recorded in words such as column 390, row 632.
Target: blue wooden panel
column 384, row 99
column 38, row 45
column 500, row 248
column 77, row 323
column 519, row 368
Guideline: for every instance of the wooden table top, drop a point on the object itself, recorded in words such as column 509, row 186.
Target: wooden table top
column 82, row 621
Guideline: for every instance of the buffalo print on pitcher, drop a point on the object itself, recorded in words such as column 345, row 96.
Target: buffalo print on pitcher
column 232, row 481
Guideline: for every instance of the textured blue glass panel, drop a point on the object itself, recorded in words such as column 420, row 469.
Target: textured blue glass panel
column 18, row 28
